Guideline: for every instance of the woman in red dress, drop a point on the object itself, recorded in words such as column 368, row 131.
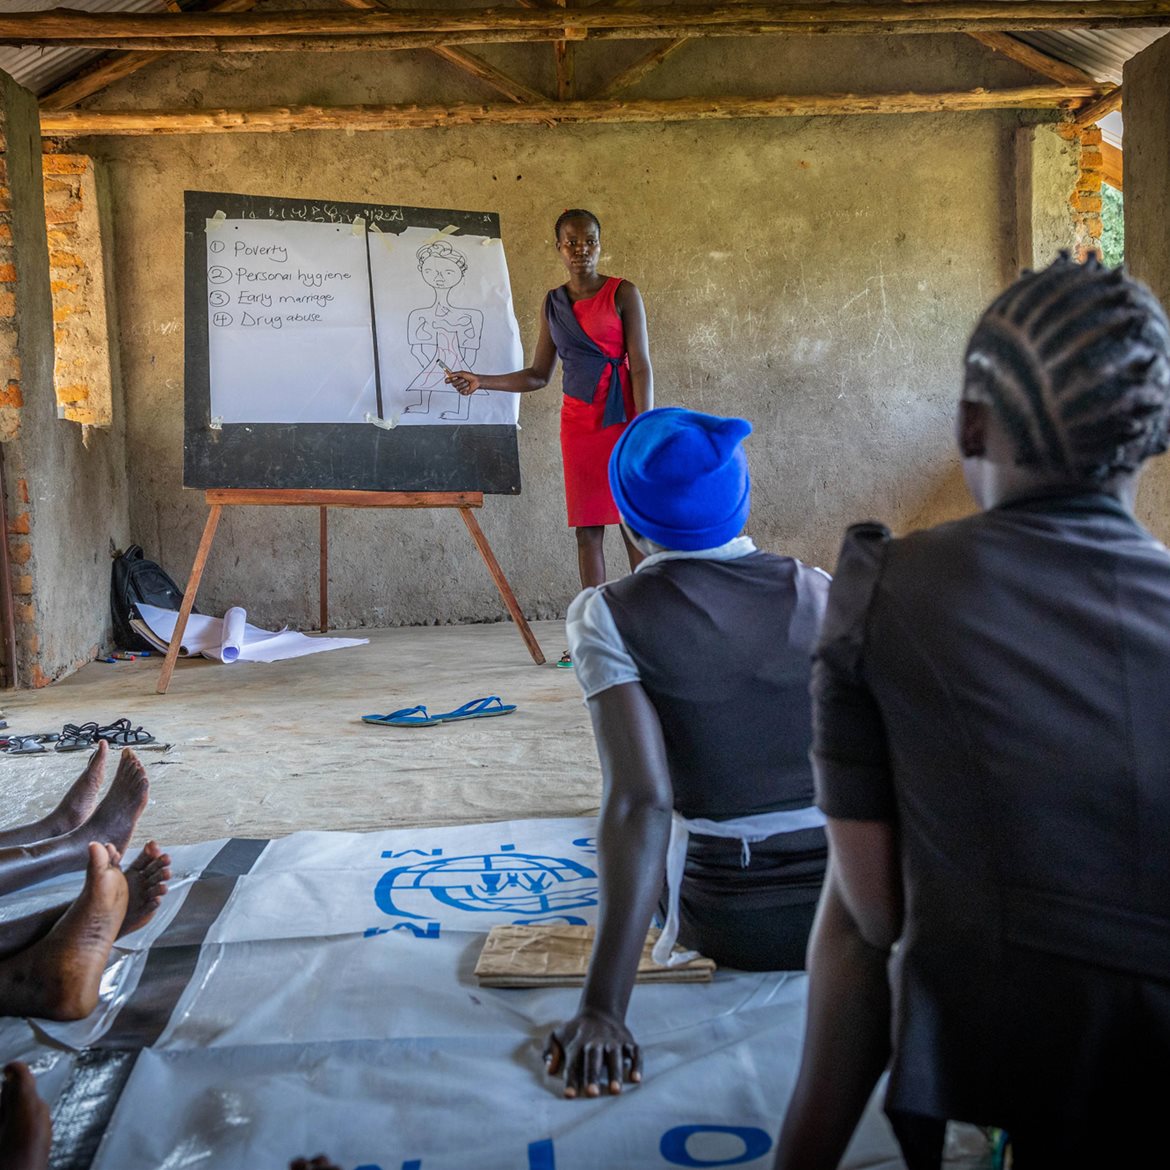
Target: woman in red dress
column 596, row 325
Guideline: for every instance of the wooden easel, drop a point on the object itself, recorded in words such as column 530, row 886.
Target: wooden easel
column 220, row 498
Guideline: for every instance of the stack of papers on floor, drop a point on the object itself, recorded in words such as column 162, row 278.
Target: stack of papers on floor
column 230, row 638
column 558, row 956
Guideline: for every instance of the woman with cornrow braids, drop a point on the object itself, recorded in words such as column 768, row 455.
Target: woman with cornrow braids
column 596, row 325
column 992, row 752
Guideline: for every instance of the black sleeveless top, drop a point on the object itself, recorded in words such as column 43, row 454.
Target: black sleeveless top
column 723, row 650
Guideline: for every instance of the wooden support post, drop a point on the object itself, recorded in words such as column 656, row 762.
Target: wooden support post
column 7, row 607
column 324, row 569
column 164, row 679
column 1021, row 242
column 493, row 567
column 563, row 53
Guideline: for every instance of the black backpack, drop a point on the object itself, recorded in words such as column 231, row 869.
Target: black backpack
column 134, row 579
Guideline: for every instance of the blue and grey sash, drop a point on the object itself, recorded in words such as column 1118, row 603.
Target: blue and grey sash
column 584, row 360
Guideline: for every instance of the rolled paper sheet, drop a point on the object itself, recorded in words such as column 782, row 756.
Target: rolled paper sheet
column 234, row 622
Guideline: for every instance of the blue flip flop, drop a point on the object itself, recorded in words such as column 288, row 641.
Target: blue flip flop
column 477, row 709
column 407, row 717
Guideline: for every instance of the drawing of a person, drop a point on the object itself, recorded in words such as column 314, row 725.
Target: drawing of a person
column 442, row 334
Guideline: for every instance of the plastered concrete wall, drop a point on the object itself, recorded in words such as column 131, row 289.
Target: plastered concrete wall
column 1147, row 226
column 1055, row 172
column 819, row 276
column 66, row 500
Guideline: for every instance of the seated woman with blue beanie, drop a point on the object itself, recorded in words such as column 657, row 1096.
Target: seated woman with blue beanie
column 695, row 669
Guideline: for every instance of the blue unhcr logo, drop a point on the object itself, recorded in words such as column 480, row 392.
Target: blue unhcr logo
column 528, row 885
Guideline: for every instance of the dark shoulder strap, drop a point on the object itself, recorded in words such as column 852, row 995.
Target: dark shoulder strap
column 859, row 568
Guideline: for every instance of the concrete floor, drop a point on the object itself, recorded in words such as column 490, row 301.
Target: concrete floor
column 262, row 750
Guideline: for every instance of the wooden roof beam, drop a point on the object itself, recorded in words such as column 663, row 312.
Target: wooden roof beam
column 1095, row 111
column 563, row 58
column 282, row 119
column 634, row 73
column 102, row 73
column 1111, row 164
column 468, row 63
column 1032, row 58
column 329, row 29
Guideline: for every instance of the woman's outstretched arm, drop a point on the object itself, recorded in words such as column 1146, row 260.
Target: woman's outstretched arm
column 533, row 377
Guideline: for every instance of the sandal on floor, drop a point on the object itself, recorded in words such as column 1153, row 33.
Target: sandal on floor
column 77, row 737
column 566, row 660
column 477, row 709
column 407, row 717
column 24, row 745
column 121, row 733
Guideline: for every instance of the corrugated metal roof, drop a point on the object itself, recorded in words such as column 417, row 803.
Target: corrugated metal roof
column 1101, row 52
column 40, row 68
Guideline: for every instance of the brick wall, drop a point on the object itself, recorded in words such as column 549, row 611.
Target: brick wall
column 1086, row 197
column 81, row 374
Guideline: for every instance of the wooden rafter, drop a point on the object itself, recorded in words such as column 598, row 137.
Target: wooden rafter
column 1096, row 110
column 634, row 73
column 1032, row 58
column 475, row 66
column 295, row 31
column 1111, row 165
column 72, row 123
column 100, row 74
column 468, row 63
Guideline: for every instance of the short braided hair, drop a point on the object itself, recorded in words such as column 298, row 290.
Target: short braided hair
column 574, row 213
column 1075, row 360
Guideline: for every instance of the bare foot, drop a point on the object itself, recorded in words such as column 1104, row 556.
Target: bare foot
column 114, row 819
column 25, row 1129
column 320, row 1162
column 78, row 803
column 146, row 880
column 59, row 977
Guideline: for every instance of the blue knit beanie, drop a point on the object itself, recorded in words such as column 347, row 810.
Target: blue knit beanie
column 680, row 478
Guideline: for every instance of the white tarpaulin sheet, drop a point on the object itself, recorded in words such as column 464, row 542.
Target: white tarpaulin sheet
column 317, row 994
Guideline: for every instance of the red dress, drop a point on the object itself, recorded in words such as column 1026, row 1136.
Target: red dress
column 585, row 443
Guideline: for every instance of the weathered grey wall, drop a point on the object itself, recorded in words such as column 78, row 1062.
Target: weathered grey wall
column 1147, row 225
column 77, row 500
column 816, row 275
column 1054, row 179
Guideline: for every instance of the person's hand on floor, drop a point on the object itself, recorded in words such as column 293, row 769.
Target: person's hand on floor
column 25, row 1128
column 593, row 1051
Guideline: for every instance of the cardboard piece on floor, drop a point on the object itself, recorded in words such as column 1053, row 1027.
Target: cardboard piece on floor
column 558, row 956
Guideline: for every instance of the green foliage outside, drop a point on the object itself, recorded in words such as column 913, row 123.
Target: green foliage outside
column 1112, row 226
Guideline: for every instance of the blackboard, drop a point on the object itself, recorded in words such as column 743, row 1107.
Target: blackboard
column 342, row 323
